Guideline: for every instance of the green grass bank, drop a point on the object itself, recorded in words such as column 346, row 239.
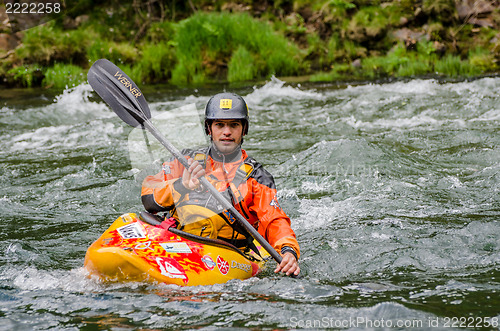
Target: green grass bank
column 200, row 42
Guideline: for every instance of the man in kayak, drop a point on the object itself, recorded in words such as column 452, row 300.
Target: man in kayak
column 240, row 178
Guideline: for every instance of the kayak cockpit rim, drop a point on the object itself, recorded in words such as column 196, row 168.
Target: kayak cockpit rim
column 156, row 220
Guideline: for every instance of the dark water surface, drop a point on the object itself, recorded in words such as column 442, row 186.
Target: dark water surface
column 393, row 190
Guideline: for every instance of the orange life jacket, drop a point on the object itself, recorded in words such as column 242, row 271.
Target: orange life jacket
column 244, row 182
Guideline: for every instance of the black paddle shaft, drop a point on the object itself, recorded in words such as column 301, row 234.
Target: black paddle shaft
column 127, row 101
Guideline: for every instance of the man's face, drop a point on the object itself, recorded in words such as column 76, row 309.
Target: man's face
column 226, row 135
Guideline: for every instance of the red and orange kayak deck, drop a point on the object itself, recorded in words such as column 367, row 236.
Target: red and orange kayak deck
column 133, row 250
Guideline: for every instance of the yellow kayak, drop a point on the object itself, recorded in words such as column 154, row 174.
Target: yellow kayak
column 133, row 249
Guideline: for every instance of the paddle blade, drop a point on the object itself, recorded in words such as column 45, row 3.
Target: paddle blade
column 119, row 92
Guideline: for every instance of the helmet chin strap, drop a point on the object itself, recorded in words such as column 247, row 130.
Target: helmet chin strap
column 217, row 155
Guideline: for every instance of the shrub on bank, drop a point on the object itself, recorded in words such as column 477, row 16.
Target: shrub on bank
column 241, row 67
column 401, row 62
column 61, row 76
column 25, row 76
column 453, row 66
column 155, row 64
column 48, row 43
column 118, row 53
column 206, row 43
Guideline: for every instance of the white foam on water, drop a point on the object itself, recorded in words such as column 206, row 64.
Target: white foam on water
column 4, row 110
column 30, row 279
column 315, row 186
column 66, row 136
column 420, row 120
column 380, row 236
column 72, row 107
column 275, row 90
column 490, row 115
column 449, row 183
column 414, row 87
column 414, row 104
column 484, row 87
column 75, row 100
column 320, row 212
column 287, row 193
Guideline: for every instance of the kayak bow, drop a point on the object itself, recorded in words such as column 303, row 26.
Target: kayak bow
column 132, row 249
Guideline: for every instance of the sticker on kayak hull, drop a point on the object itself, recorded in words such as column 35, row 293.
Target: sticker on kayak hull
column 176, row 247
column 209, row 262
column 223, row 265
column 131, row 231
column 144, row 245
column 168, row 270
column 242, row 266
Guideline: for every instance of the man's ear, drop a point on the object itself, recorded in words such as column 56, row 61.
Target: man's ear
column 245, row 129
column 208, row 128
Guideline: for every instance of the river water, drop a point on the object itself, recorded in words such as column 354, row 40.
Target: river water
column 393, row 190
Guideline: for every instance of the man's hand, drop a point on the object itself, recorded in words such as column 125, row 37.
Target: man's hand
column 288, row 265
column 190, row 175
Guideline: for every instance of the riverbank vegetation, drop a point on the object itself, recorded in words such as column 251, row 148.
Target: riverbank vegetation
column 201, row 41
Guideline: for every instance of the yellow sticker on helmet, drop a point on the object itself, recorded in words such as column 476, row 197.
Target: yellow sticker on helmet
column 226, row 104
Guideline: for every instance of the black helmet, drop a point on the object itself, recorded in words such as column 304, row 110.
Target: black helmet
column 226, row 106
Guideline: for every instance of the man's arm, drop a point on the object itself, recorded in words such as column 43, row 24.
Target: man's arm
column 274, row 224
column 161, row 191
